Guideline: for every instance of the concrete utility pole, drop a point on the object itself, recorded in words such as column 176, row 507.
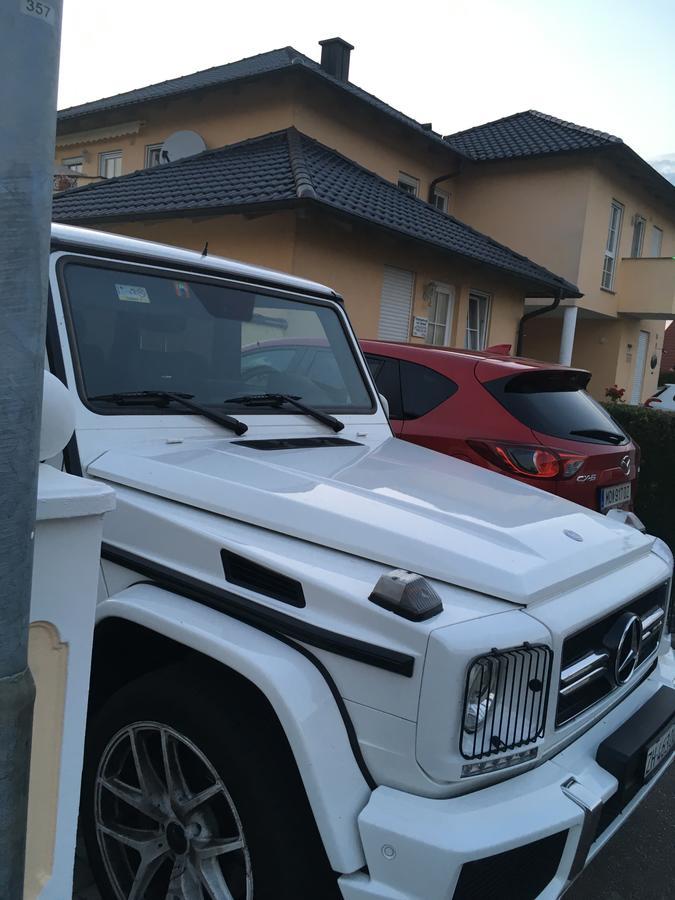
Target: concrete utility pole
column 29, row 53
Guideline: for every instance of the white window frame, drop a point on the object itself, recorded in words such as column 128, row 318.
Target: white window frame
column 149, row 150
column 104, row 158
column 612, row 246
column 409, row 184
column 74, row 163
column 446, row 324
column 657, row 241
column 441, row 200
column 639, row 222
column 481, row 332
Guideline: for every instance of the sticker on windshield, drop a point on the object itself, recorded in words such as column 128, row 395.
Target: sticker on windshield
column 181, row 289
column 132, row 292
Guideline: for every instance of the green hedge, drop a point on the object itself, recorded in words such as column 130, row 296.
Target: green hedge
column 667, row 378
column 655, row 434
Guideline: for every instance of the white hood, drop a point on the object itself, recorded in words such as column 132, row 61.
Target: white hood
column 397, row 504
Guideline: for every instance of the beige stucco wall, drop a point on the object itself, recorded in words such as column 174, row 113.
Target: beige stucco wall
column 605, row 186
column 556, row 211
column 264, row 241
column 536, row 207
column 221, row 117
column 606, row 347
column 237, row 112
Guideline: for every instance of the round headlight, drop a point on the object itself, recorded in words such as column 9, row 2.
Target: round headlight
column 480, row 694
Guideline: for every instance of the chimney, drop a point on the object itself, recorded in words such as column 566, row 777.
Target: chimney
column 335, row 57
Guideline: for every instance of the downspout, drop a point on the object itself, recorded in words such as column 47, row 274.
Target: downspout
column 437, row 181
column 530, row 315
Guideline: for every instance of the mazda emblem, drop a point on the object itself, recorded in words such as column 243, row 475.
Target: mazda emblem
column 623, row 642
column 625, row 465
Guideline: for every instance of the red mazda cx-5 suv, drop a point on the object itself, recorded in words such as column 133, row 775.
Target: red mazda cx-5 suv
column 531, row 420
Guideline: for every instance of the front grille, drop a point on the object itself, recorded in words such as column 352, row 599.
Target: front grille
column 587, row 669
column 518, row 874
column 518, row 681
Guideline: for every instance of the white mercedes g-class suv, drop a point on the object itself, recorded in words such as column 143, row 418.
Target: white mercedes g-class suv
column 328, row 663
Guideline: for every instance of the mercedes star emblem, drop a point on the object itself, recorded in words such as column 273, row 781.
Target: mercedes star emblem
column 623, row 642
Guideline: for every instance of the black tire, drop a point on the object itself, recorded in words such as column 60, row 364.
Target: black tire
column 237, row 733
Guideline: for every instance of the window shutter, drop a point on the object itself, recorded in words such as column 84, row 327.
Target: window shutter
column 395, row 304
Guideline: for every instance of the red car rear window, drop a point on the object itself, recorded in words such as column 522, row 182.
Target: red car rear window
column 556, row 404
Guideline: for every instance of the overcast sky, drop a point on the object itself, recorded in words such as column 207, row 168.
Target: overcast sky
column 608, row 64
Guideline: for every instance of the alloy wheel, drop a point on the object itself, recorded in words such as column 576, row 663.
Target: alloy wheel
column 166, row 825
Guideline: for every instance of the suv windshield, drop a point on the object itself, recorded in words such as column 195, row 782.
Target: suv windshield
column 140, row 331
column 555, row 403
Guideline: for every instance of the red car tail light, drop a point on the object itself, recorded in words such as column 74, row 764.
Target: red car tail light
column 534, row 462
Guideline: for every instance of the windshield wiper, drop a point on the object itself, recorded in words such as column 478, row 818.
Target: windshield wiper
column 163, row 398
column 277, row 400
column 612, row 436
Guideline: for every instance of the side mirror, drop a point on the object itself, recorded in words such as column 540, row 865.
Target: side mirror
column 58, row 417
column 385, row 404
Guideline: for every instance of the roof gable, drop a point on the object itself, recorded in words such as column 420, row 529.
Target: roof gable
column 272, row 61
column 529, row 133
column 283, row 169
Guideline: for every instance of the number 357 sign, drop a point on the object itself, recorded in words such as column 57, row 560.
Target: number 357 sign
column 39, row 10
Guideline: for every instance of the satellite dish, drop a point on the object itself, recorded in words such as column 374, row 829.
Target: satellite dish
column 180, row 144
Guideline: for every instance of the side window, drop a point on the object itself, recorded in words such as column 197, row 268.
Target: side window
column 385, row 372
column 423, row 389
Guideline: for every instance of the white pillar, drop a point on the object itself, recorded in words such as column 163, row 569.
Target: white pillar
column 567, row 337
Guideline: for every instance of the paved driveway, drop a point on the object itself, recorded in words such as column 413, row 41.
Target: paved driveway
column 639, row 861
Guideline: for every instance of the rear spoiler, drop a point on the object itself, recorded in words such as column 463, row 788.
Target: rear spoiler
column 539, row 381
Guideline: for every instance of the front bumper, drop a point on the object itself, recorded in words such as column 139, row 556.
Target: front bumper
column 548, row 823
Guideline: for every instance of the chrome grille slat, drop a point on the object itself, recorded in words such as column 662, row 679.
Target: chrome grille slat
column 652, row 622
column 582, row 666
column 585, row 679
column 588, row 667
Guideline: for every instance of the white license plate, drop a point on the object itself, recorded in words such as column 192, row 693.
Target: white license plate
column 659, row 750
column 614, row 496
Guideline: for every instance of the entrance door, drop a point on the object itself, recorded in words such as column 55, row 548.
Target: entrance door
column 639, row 371
column 396, row 304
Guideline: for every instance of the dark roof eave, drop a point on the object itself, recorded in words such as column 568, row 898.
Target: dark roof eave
column 535, row 287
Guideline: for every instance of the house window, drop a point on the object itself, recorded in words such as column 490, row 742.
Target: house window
column 440, row 316
column 110, row 164
column 477, row 321
column 639, row 225
column 74, row 163
column 441, row 200
column 612, row 249
column 153, row 155
column 409, row 184
column 657, row 241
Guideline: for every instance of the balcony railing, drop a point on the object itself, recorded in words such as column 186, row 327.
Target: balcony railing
column 645, row 287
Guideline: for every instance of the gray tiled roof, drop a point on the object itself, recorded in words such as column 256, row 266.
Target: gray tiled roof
column 285, row 169
column 528, row 133
column 273, row 61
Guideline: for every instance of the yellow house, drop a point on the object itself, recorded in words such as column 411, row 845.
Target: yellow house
column 306, row 172
column 584, row 204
